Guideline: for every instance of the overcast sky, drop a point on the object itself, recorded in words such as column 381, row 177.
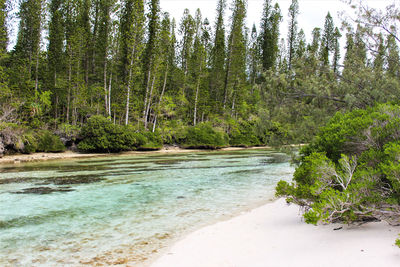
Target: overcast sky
column 312, row 12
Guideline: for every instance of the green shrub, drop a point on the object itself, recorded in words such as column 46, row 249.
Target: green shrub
column 350, row 171
column 30, row 143
column 204, row 136
column 48, row 142
column 101, row 135
column 308, row 171
column 152, row 141
column 172, row 132
column 243, row 134
column 272, row 132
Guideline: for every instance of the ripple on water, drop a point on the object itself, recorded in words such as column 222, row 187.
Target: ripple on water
column 125, row 208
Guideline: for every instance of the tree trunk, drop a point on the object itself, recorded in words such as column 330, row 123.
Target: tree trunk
column 228, row 73
column 69, row 89
column 149, row 102
column 146, row 94
column 196, row 98
column 109, row 95
column 154, row 124
column 105, row 86
column 56, row 113
column 36, row 72
column 129, row 87
column 161, row 97
column 29, row 65
column 56, row 106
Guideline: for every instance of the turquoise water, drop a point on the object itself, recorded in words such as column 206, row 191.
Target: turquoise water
column 123, row 209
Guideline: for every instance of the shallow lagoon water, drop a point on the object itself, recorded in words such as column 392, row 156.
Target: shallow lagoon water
column 123, row 209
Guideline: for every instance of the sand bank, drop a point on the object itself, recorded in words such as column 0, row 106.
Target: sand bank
column 275, row 235
column 20, row 158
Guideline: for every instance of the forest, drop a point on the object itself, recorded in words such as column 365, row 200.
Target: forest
column 110, row 76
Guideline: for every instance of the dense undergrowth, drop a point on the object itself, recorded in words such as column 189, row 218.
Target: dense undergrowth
column 99, row 134
column 14, row 138
column 350, row 172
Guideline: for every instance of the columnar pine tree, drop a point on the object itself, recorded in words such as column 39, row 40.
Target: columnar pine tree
column 131, row 47
column 328, row 39
column 55, row 52
column 301, row 45
column 379, row 59
column 102, row 46
column 4, row 89
column 167, row 57
column 88, row 49
column 236, row 59
column 198, row 62
column 269, row 34
column 393, row 58
column 150, row 57
column 76, row 21
column 254, row 56
column 187, row 31
column 336, row 51
column 292, row 32
column 27, row 48
column 3, row 25
column 218, row 57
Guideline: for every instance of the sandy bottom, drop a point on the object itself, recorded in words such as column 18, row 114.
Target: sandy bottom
column 275, row 235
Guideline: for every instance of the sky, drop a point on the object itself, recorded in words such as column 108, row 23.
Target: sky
column 312, row 12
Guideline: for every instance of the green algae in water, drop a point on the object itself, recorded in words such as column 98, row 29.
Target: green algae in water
column 130, row 207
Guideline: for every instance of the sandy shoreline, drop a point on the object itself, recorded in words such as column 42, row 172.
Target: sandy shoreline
column 36, row 157
column 275, row 235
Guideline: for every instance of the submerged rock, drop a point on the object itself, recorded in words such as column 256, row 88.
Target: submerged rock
column 43, row 190
column 80, row 179
column 17, row 180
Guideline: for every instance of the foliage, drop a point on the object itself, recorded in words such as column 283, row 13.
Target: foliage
column 101, row 135
column 243, row 134
column 204, row 135
column 151, row 141
column 30, row 143
column 46, row 142
column 350, row 171
column 15, row 138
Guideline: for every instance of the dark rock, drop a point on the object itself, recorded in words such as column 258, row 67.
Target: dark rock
column 43, row 190
column 80, row 179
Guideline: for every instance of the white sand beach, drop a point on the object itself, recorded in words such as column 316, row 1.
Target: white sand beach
column 275, row 235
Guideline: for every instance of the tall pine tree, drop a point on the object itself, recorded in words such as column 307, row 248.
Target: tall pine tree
column 292, row 32
column 269, row 35
column 218, row 55
column 235, row 78
column 132, row 27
